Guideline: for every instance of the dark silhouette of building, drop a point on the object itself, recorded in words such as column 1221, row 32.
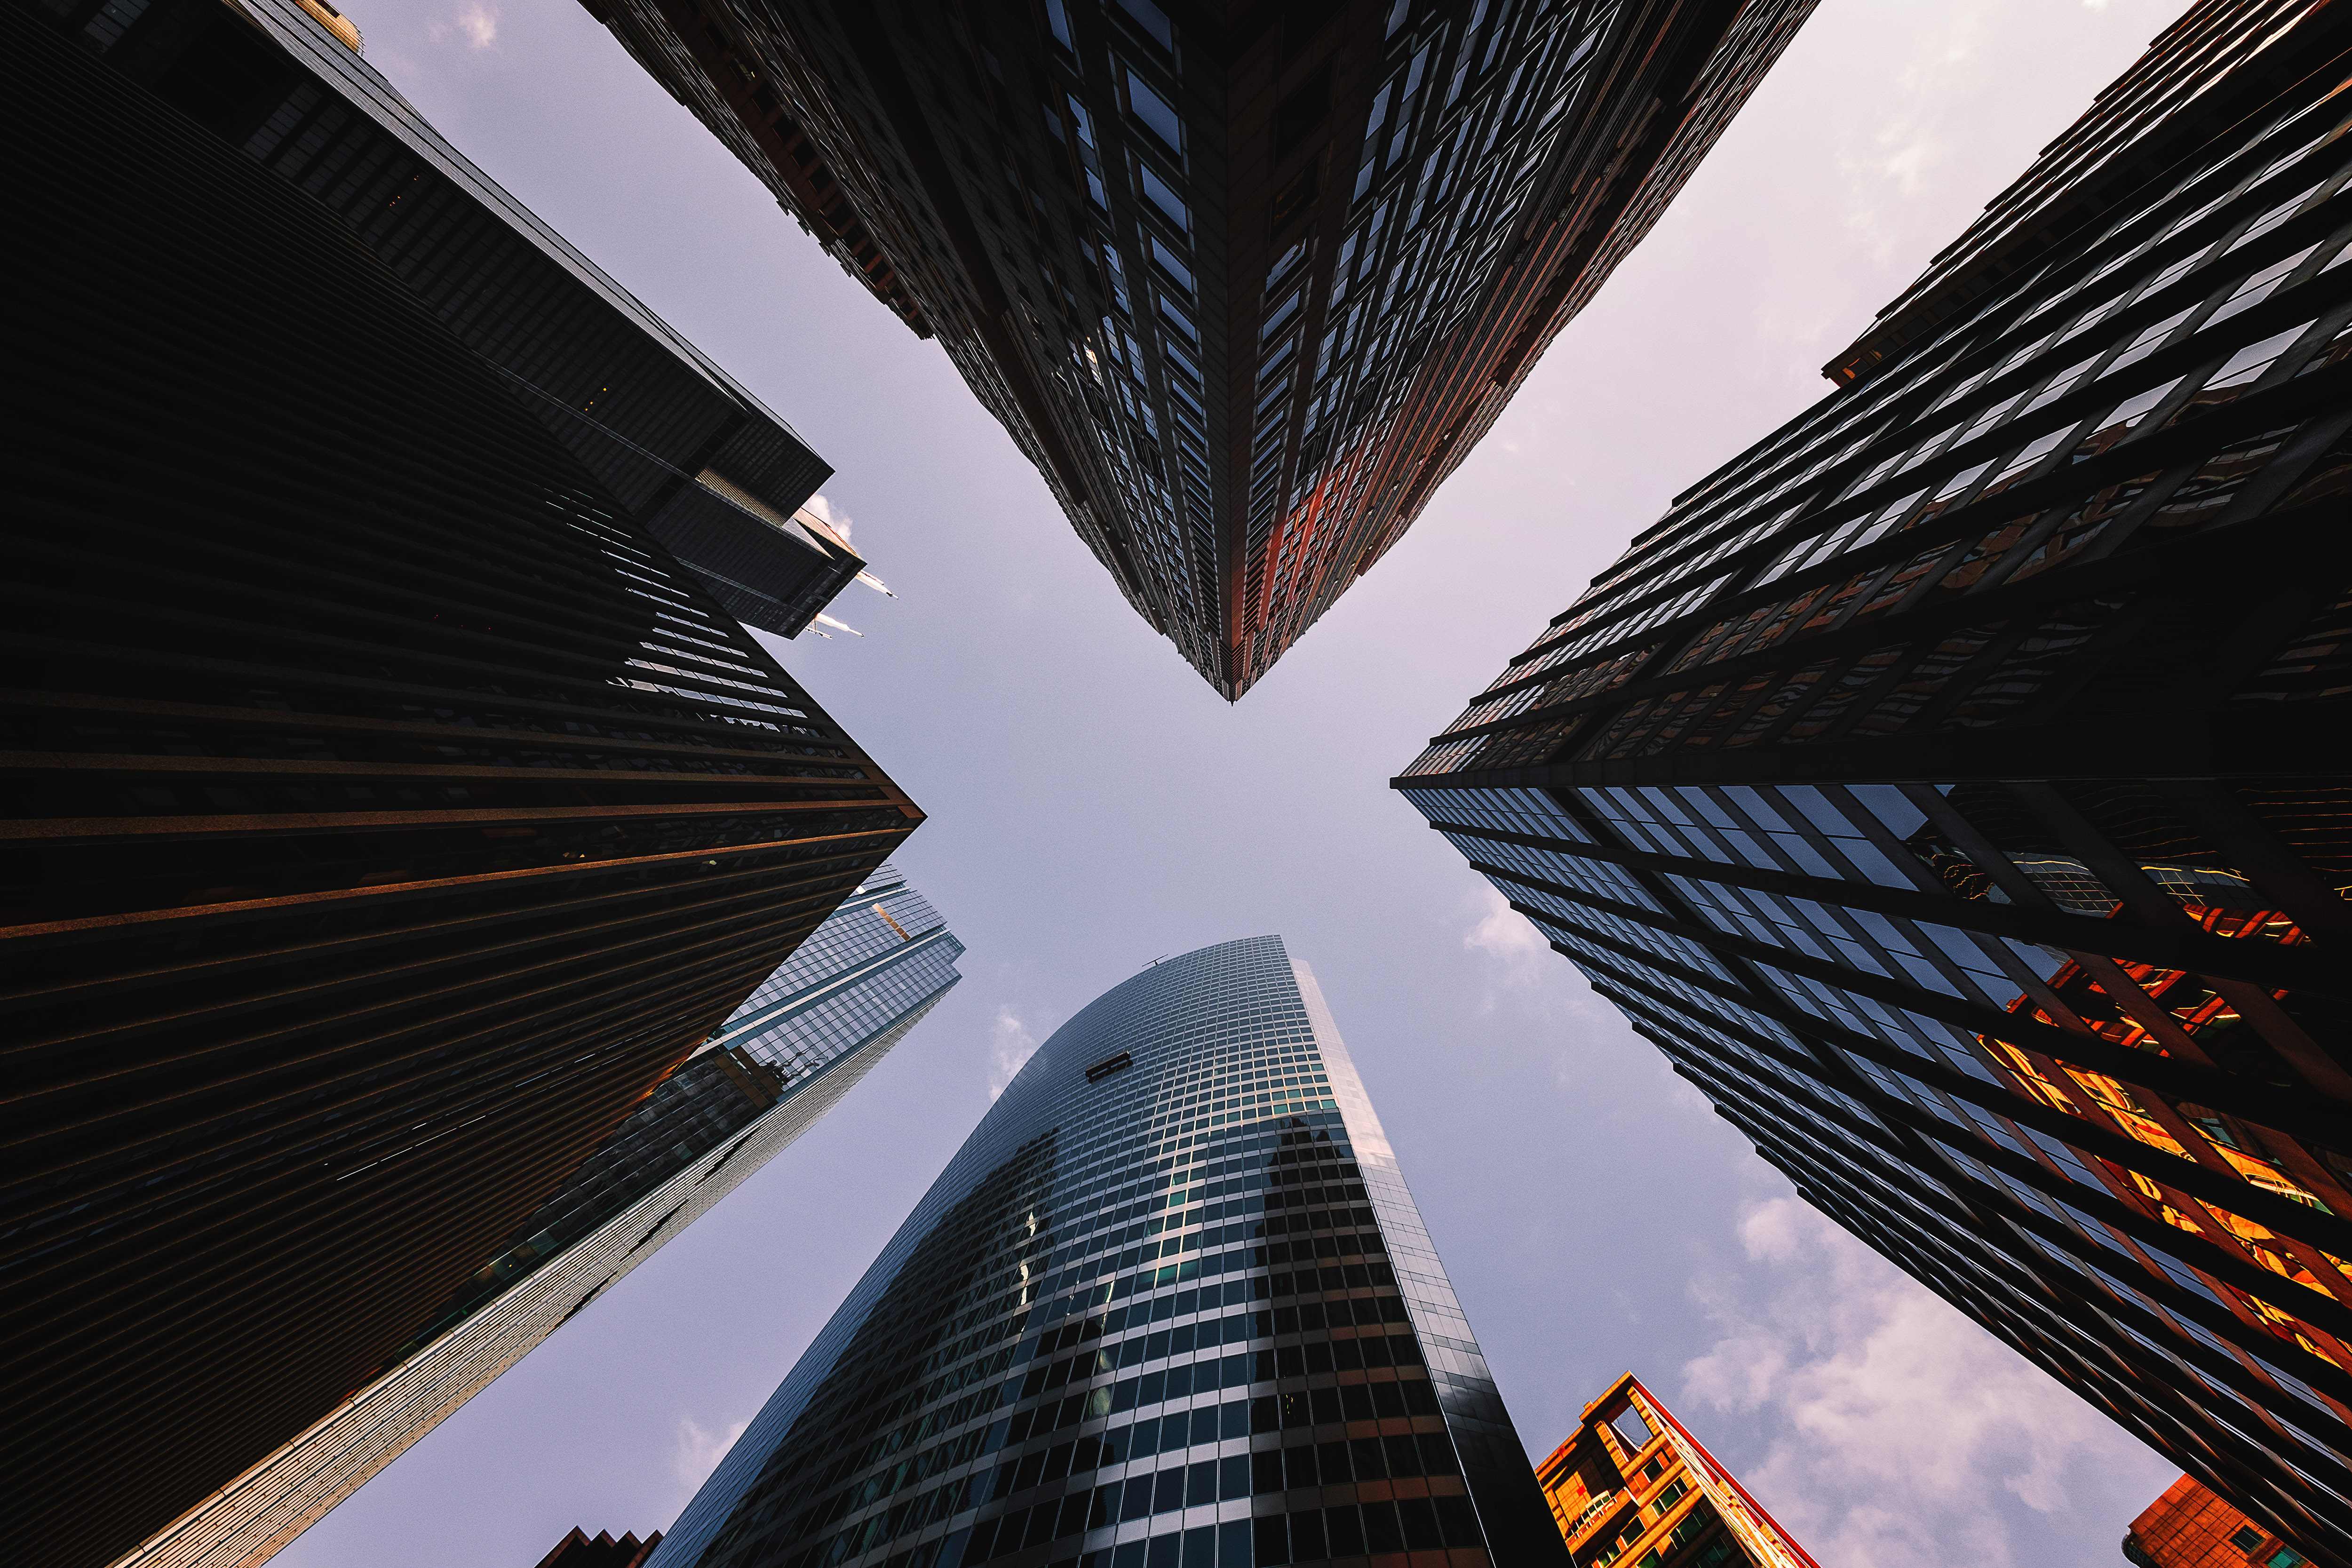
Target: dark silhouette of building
column 788, row 1055
column 576, row 1550
column 1171, row 1303
column 1243, row 283
column 710, row 472
column 2189, row 1527
column 389, row 813
column 1953, row 784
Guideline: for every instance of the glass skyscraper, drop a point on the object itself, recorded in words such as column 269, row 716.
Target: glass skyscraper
column 1170, row 1307
column 1246, row 283
column 1953, row 785
column 787, row 1056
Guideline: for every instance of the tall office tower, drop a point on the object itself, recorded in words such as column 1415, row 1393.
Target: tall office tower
column 1953, row 784
column 699, row 462
column 2189, row 1527
column 1170, row 1304
column 1632, row 1485
column 799, row 1042
column 388, row 813
column 1243, row 282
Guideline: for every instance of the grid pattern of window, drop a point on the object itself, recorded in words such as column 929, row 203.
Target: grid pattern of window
column 2097, row 423
column 1632, row 1488
column 830, row 1014
column 1172, row 1305
column 2043, row 995
column 880, row 960
column 1244, row 289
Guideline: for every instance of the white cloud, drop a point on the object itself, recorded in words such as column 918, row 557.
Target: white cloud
column 477, row 24
column 833, row 515
column 1509, row 937
column 1528, row 976
column 1009, row 1045
column 696, row 1452
column 1894, row 1423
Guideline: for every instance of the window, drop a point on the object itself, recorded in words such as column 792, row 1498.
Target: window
column 1156, row 113
column 1172, row 264
column 1632, row 1429
column 1279, row 317
column 1171, row 206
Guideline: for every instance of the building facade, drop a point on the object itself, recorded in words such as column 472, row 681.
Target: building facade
column 1952, row 784
column 1244, row 284
column 707, row 468
column 787, row 1056
column 1634, row 1486
column 389, row 814
column 1170, row 1305
column 577, row 1551
column 2189, row 1527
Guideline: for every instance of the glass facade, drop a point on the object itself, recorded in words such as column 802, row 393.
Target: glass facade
column 712, row 473
column 1170, row 1307
column 390, row 812
column 1245, row 289
column 1952, row 784
column 796, row 1045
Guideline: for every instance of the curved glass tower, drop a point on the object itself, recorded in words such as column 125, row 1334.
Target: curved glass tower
column 1170, row 1307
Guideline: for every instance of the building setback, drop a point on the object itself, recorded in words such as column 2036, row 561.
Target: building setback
column 1953, row 784
column 699, row 461
column 787, row 1056
column 1632, row 1485
column 388, row 815
column 1171, row 1303
column 1245, row 288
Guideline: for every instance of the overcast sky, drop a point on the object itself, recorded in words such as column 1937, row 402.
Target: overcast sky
column 1093, row 805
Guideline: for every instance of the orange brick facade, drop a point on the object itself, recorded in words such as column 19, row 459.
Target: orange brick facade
column 1632, row 1488
column 2191, row 1527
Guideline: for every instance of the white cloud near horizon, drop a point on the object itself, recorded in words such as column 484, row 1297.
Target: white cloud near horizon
column 1894, row 1423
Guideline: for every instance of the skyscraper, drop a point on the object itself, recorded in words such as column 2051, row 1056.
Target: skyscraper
column 1170, row 1304
column 787, row 1056
column 2189, row 1527
column 1243, row 283
column 707, row 468
column 1632, row 1485
column 1953, row 784
column 389, row 813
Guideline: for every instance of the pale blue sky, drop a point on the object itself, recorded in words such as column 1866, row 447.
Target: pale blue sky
column 1093, row 805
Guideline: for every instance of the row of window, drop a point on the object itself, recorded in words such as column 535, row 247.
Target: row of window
column 2022, row 365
